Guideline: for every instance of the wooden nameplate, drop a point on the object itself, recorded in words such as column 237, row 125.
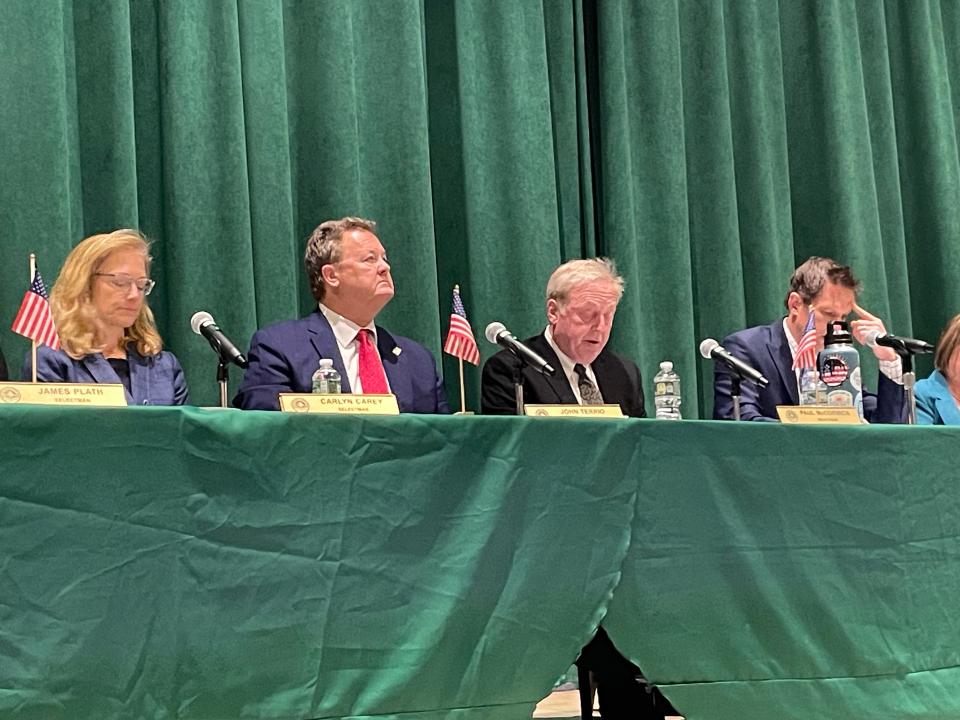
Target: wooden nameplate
column 579, row 411
column 339, row 404
column 44, row 393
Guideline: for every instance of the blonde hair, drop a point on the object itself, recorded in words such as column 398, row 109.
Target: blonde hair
column 576, row 272
column 70, row 299
column 947, row 345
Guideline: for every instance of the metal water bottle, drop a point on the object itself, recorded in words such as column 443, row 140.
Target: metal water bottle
column 839, row 366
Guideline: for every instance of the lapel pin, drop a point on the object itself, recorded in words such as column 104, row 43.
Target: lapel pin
column 397, row 351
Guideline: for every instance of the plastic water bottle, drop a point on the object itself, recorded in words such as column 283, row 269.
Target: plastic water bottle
column 326, row 380
column 666, row 392
column 813, row 391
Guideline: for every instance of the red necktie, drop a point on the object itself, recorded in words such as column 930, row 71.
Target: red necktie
column 372, row 378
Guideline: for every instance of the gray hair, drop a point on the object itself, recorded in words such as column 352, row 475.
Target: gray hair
column 576, row 272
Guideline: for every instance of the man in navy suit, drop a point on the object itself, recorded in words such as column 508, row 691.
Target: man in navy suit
column 829, row 290
column 350, row 279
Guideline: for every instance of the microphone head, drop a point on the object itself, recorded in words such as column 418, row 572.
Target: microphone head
column 707, row 347
column 494, row 331
column 200, row 319
column 871, row 339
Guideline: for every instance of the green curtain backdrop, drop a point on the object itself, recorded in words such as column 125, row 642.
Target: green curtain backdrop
column 707, row 146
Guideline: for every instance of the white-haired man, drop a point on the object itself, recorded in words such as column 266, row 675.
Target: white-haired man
column 582, row 298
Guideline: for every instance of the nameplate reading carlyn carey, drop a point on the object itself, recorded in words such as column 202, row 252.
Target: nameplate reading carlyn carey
column 818, row 415
column 86, row 394
column 578, row 411
column 339, row 404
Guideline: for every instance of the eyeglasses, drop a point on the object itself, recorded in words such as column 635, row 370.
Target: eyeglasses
column 122, row 281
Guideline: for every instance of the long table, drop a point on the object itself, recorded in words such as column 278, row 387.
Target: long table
column 191, row 563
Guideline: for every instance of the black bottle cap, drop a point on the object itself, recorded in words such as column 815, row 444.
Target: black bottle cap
column 838, row 333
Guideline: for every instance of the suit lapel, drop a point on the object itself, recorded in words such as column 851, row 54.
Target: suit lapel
column 780, row 355
column 101, row 372
column 325, row 343
column 139, row 375
column 394, row 367
column 609, row 379
column 558, row 384
column 946, row 405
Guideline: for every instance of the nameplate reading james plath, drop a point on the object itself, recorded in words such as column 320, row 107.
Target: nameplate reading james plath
column 339, row 404
column 85, row 394
column 818, row 415
column 578, row 411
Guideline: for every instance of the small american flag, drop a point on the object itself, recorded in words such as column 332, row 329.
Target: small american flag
column 33, row 319
column 807, row 347
column 460, row 341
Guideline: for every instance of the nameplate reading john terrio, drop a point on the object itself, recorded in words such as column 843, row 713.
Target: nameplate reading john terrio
column 85, row 394
column 578, row 411
column 339, row 404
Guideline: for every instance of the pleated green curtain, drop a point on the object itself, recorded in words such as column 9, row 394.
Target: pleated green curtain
column 708, row 147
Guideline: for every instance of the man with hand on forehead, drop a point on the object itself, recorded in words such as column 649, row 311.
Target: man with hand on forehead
column 828, row 290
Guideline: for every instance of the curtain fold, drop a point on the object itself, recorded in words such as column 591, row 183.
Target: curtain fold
column 708, row 147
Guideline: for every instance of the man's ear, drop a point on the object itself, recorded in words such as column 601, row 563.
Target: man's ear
column 553, row 310
column 795, row 302
column 330, row 276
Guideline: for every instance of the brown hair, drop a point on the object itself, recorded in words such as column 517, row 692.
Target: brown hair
column 323, row 248
column 946, row 345
column 808, row 279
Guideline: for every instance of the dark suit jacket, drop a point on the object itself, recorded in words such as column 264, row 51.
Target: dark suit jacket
column 766, row 348
column 156, row 380
column 935, row 403
column 284, row 356
column 4, row 373
column 618, row 379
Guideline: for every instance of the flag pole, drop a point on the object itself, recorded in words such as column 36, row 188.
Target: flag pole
column 33, row 341
column 463, row 402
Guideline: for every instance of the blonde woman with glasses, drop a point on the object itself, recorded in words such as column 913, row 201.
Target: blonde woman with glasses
column 107, row 332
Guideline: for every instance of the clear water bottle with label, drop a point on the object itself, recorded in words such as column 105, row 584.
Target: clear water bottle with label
column 839, row 366
column 666, row 392
column 326, row 380
column 813, row 391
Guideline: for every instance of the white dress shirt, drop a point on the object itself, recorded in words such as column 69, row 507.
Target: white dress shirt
column 345, row 331
column 566, row 364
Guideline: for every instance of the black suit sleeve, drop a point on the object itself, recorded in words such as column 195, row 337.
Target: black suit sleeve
column 4, row 373
column 750, row 406
column 497, row 396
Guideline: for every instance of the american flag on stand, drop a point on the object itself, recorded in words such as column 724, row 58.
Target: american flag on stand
column 807, row 347
column 33, row 319
column 460, row 341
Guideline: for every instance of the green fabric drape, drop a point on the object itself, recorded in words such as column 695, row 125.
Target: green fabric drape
column 707, row 146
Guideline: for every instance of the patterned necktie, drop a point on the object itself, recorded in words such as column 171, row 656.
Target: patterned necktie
column 589, row 395
column 372, row 377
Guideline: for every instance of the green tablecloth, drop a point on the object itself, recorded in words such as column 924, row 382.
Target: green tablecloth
column 189, row 563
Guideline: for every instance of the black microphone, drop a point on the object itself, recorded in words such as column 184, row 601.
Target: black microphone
column 902, row 345
column 499, row 335
column 203, row 324
column 710, row 348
